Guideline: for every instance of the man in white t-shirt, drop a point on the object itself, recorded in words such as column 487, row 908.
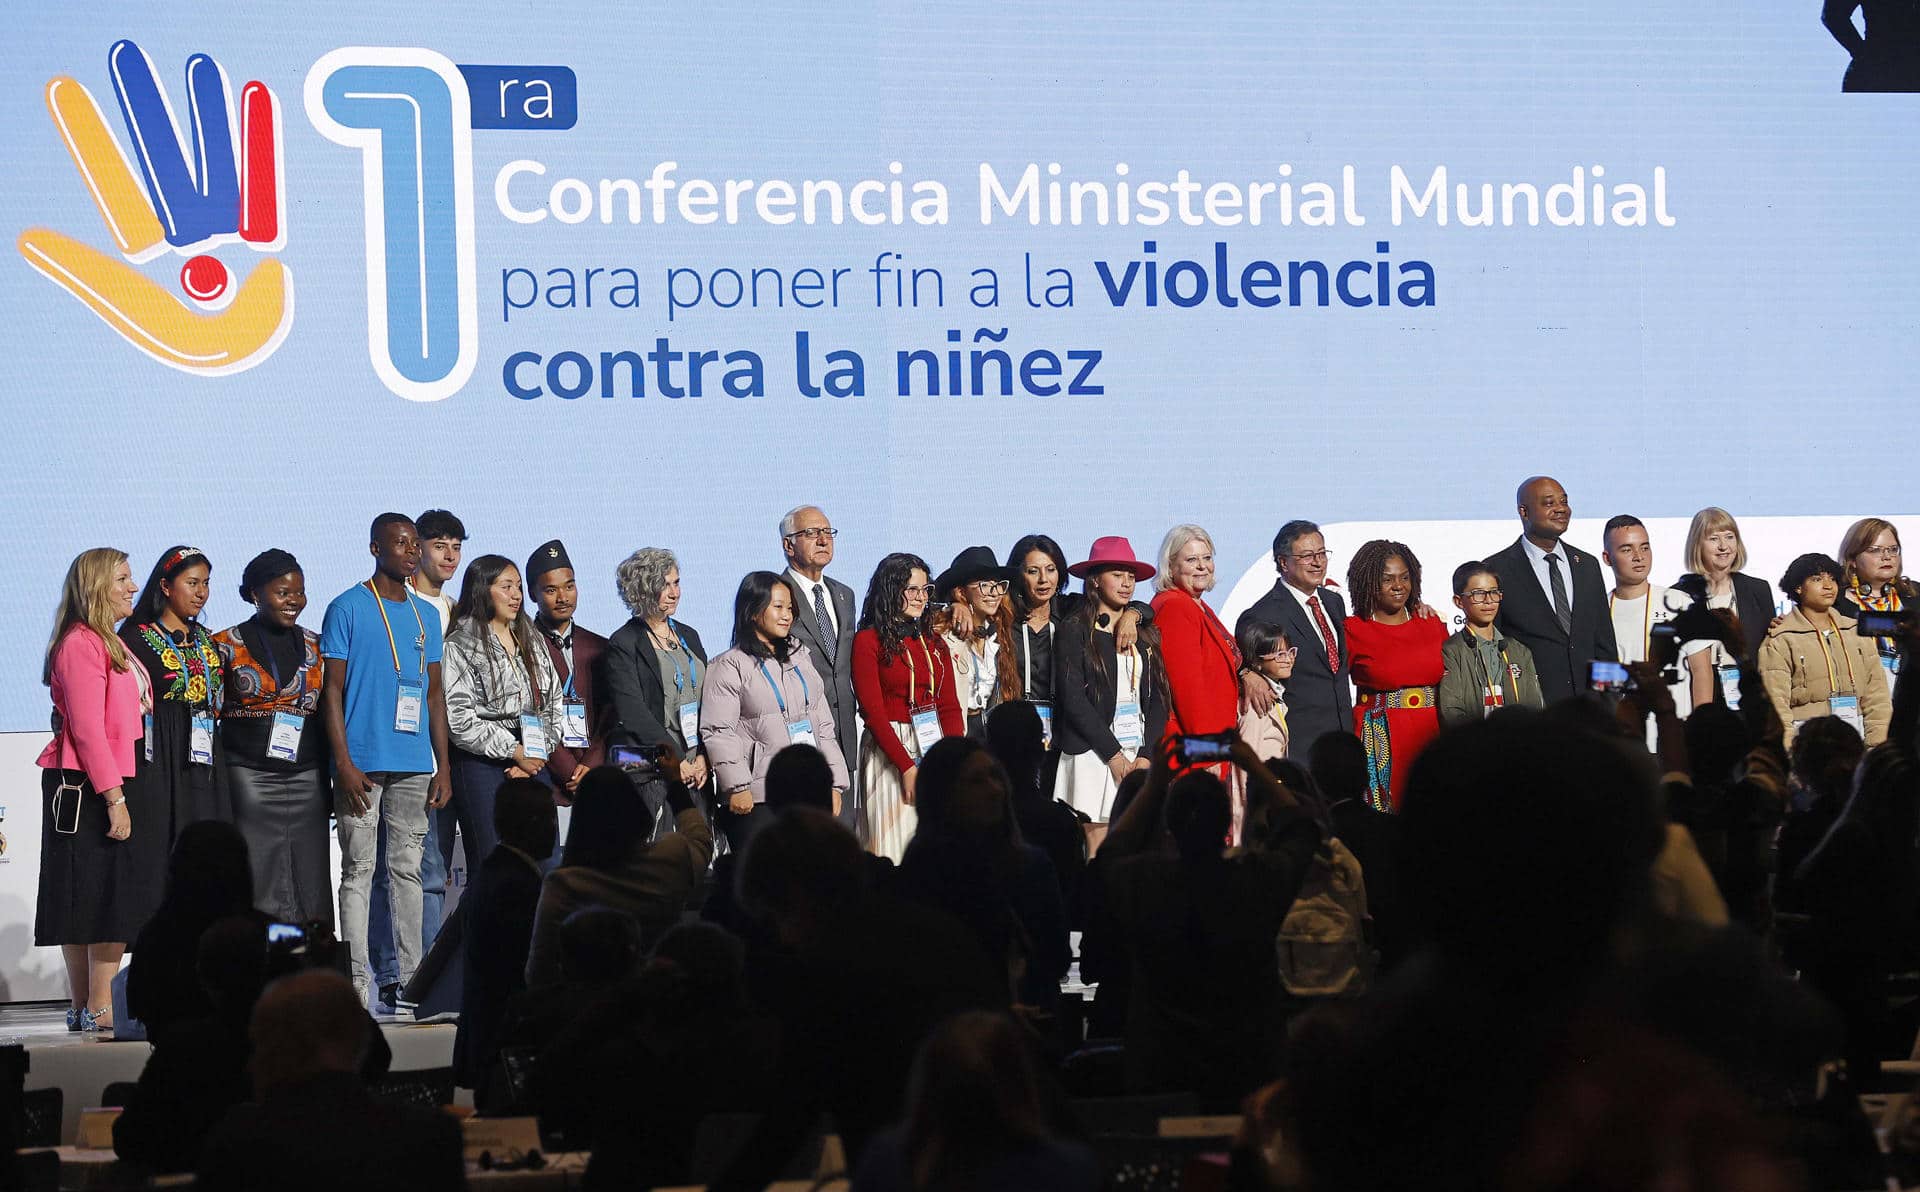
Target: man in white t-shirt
column 1636, row 605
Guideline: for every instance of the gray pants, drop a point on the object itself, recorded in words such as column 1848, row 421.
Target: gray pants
column 401, row 801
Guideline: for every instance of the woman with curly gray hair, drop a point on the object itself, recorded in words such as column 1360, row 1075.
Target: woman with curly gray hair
column 652, row 669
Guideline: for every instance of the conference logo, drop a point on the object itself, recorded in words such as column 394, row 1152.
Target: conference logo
column 183, row 191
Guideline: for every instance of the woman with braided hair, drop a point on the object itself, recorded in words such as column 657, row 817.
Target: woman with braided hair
column 1396, row 665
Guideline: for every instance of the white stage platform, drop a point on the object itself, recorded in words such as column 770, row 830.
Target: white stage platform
column 83, row 1065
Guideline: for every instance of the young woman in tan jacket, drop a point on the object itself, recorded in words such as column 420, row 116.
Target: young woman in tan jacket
column 1815, row 664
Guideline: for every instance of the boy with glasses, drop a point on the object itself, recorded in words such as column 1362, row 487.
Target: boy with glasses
column 1485, row 670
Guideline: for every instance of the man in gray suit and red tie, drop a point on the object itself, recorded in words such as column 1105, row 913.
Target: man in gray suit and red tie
column 1552, row 597
column 825, row 622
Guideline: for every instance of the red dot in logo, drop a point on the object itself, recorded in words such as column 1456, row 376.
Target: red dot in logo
column 204, row 279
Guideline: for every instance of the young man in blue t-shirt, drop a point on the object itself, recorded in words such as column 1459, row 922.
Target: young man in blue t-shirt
column 386, row 716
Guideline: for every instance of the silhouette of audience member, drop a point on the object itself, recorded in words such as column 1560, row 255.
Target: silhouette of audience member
column 608, row 862
column 315, row 1126
column 1733, row 806
column 967, row 858
column 1017, row 740
column 209, row 878
column 1887, row 56
column 1338, row 763
column 198, row 1071
column 976, row 1119
column 798, row 776
column 863, row 977
column 497, row 910
column 1104, row 962
column 631, row 1078
column 1200, row 927
column 1525, row 854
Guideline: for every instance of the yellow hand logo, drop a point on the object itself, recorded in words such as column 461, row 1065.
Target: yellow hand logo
column 180, row 210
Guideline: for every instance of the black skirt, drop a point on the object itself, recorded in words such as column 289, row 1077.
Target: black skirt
column 93, row 889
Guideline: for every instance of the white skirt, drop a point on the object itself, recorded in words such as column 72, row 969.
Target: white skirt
column 890, row 819
column 1084, row 783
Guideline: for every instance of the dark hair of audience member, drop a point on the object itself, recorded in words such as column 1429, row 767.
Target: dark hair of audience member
column 610, row 823
column 1339, row 764
column 1199, row 814
column 307, row 1024
column 800, row 872
column 1017, row 741
column 974, row 1097
column 208, row 876
column 1131, row 784
column 599, row 945
column 1526, row 844
column 701, row 968
column 962, row 792
column 523, row 816
column 1826, row 751
column 1717, row 742
column 798, row 776
column 232, row 964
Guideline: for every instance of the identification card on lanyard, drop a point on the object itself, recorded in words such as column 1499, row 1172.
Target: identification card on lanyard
column 800, row 732
column 146, row 734
column 690, row 724
column 533, row 737
column 1129, row 726
column 1046, row 724
column 1847, row 708
column 1730, row 686
column 573, row 725
column 926, row 728
column 200, row 744
column 1493, row 697
column 411, row 696
column 284, row 744
column 406, row 708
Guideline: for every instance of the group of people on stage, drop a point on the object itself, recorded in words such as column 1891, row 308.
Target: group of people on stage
column 404, row 714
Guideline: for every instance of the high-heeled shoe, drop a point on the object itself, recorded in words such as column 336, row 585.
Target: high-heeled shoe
column 99, row 1021
column 73, row 1020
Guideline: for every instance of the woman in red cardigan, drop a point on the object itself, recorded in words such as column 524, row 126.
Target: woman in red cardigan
column 903, row 683
column 1203, row 665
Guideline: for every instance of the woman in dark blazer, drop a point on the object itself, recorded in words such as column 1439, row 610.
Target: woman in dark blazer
column 1715, row 555
column 647, row 680
column 1098, row 743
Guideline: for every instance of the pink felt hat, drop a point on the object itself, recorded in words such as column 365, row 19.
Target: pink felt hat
column 1111, row 551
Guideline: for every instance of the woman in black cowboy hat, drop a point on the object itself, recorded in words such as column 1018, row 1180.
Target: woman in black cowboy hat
column 977, row 584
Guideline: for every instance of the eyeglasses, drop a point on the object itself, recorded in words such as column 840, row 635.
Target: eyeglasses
column 1882, row 552
column 991, row 587
column 1311, row 556
column 1286, row 655
column 1485, row 595
column 817, row 534
column 925, row 590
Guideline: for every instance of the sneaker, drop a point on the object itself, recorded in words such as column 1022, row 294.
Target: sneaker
column 393, row 1005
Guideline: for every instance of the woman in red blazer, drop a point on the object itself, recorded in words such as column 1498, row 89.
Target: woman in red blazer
column 1203, row 665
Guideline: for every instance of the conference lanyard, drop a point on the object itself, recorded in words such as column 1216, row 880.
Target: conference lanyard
column 419, row 643
column 1833, row 678
column 680, row 678
column 1026, row 656
column 805, row 695
column 913, row 677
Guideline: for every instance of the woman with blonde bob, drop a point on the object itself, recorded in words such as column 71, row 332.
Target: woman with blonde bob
column 1870, row 558
column 1716, row 555
column 99, row 879
column 1202, row 662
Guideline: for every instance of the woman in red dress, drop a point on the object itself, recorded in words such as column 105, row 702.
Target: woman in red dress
column 1396, row 666
column 1203, row 664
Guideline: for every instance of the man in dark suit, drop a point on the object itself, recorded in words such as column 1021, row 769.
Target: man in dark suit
column 549, row 579
column 1319, row 696
column 1554, row 600
column 825, row 621
column 316, row 1125
column 497, row 912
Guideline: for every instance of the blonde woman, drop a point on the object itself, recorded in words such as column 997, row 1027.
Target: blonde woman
column 1202, row 662
column 99, row 879
column 1715, row 556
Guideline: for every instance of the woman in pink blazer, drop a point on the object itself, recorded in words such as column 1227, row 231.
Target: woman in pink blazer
column 100, row 878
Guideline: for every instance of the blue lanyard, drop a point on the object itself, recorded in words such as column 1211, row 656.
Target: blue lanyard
column 680, row 678
column 781, row 699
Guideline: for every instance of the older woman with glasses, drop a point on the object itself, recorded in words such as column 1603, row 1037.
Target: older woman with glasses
column 648, row 678
column 1201, row 659
column 1870, row 560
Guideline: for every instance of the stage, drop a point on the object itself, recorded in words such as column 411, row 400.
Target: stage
column 84, row 1065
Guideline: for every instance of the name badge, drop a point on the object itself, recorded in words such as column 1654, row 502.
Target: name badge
column 573, row 727
column 1129, row 727
column 1493, row 697
column 200, row 744
column 1730, row 687
column 1847, row 708
column 1046, row 724
column 406, row 710
column 284, row 744
column 690, row 724
column 533, row 737
column 800, row 732
column 926, row 729
column 146, row 734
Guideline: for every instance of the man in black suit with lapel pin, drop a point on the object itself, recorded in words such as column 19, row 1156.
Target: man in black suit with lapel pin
column 1554, row 600
column 1319, row 696
column 825, row 621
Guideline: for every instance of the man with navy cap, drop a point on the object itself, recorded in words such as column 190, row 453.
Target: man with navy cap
column 549, row 579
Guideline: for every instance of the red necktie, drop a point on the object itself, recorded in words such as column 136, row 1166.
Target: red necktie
column 1326, row 633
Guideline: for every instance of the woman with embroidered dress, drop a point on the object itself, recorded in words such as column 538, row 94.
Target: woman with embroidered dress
column 182, row 774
